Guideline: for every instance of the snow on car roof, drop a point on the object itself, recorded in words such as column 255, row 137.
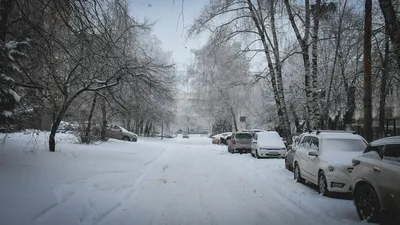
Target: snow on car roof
column 340, row 136
column 387, row 140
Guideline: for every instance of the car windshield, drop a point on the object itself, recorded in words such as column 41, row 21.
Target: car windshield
column 123, row 129
column 348, row 145
column 243, row 136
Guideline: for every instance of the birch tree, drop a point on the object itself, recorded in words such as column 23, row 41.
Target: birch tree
column 254, row 16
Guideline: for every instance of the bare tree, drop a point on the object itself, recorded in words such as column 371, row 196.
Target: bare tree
column 393, row 26
column 256, row 17
column 367, row 71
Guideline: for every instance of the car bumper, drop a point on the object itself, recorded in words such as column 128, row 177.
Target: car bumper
column 338, row 182
column 272, row 153
column 242, row 150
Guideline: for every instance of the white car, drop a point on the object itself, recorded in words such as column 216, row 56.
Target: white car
column 216, row 139
column 268, row 144
column 325, row 159
column 376, row 181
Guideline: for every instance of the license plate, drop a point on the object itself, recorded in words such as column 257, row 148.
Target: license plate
column 274, row 153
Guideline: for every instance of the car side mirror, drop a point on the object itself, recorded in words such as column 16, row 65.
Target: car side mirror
column 313, row 153
column 254, row 142
column 120, row 130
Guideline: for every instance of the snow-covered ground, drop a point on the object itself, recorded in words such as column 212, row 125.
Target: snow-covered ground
column 170, row 181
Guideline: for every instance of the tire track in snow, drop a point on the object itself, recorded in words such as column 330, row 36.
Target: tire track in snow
column 130, row 192
column 66, row 192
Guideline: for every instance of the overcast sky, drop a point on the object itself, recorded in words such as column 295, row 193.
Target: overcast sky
column 170, row 27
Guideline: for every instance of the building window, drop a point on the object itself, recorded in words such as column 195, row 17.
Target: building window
column 242, row 119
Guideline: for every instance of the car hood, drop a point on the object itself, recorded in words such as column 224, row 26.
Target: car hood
column 133, row 134
column 339, row 157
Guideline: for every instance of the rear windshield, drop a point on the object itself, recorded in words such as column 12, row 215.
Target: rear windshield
column 243, row 136
column 344, row 145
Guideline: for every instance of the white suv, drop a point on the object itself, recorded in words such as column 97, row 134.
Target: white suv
column 325, row 159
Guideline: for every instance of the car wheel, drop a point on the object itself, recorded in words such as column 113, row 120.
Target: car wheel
column 134, row 140
column 367, row 203
column 322, row 184
column 125, row 138
column 297, row 174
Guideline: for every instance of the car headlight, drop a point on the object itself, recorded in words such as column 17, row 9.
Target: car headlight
column 331, row 168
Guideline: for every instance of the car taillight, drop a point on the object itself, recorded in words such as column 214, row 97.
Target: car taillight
column 233, row 141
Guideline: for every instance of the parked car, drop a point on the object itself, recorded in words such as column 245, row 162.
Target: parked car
column 268, row 144
column 224, row 137
column 216, row 139
column 289, row 157
column 240, row 142
column 376, row 181
column 324, row 158
column 121, row 133
column 185, row 135
column 169, row 135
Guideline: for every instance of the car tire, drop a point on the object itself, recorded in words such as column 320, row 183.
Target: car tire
column 297, row 174
column 367, row 203
column 322, row 184
column 126, row 138
column 134, row 140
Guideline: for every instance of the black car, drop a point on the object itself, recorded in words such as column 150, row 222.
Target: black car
column 185, row 135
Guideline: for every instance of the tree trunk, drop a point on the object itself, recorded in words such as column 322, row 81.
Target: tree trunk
column 234, row 119
column 296, row 118
column 89, row 126
column 278, row 68
column 337, row 47
column 351, row 106
column 303, row 42
column 367, row 71
column 54, row 127
column 272, row 73
column 383, row 89
column 103, row 135
column 6, row 7
column 314, row 68
column 162, row 130
column 392, row 24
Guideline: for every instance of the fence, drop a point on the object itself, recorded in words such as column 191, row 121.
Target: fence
column 391, row 127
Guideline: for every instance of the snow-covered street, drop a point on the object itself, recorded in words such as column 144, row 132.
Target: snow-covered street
column 170, row 181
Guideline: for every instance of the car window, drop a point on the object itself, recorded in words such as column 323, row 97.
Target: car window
column 243, row 136
column 306, row 143
column 376, row 149
column 392, row 152
column 314, row 143
column 347, row 145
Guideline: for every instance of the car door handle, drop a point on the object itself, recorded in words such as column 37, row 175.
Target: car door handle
column 376, row 169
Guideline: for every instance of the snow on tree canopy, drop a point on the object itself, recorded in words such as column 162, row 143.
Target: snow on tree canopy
column 7, row 113
column 15, row 95
column 6, row 78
